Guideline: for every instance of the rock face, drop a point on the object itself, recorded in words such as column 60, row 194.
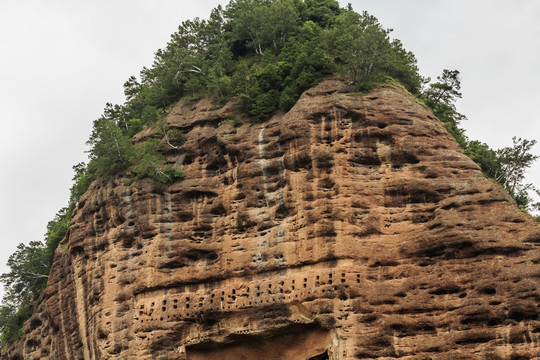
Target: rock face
column 351, row 227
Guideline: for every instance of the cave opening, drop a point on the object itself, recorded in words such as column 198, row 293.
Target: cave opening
column 299, row 342
column 323, row 356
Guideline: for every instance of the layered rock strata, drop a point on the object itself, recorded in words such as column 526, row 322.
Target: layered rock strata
column 352, row 227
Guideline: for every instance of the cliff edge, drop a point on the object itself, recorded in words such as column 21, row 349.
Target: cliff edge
column 352, row 227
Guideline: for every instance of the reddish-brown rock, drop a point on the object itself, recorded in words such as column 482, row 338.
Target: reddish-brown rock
column 352, row 226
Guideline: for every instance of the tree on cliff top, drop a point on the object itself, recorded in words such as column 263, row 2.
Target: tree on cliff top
column 264, row 65
column 506, row 166
column 225, row 56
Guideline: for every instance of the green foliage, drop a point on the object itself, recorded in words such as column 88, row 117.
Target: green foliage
column 506, row 166
column 513, row 161
column 135, row 126
column 149, row 164
column 81, row 182
column 12, row 318
column 169, row 175
column 484, row 156
column 175, row 137
column 278, row 81
column 251, row 32
column 147, row 159
column 27, row 278
column 304, row 63
column 28, row 272
column 56, row 230
column 232, row 120
column 111, row 149
column 441, row 96
column 30, row 266
column 263, row 95
column 266, row 64
column 362, row 48
column 321, row 12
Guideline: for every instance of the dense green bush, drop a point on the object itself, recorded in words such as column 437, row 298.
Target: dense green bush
column 12, row 318
column 267, row 64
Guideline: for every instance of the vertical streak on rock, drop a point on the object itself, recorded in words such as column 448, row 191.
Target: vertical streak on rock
column 167, row 228
column 81, row 314
column 262, row 243
column 169, row 215
column 280, row 199
column 62, row 321
column 304, row 244
column 93, row 341
column 507, row 348
column 534, row 336
column 335, row 349
column 319, row 146
column 262, row 164
column 323, row 125
column 127, row 321
column 334, row 131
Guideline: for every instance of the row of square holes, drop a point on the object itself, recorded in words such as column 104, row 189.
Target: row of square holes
column 233, row 296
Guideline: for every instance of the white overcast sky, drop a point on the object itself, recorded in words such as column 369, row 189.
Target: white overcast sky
column 62, row 60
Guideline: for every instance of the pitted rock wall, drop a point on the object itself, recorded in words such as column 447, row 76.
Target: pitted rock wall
column 351, row 227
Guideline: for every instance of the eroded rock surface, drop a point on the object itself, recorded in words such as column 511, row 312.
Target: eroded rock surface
column 352, row 226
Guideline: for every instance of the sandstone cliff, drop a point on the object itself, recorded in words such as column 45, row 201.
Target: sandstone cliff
column 351, row 227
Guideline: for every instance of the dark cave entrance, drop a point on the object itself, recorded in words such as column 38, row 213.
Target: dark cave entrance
column 323, row 356
column 299, row 342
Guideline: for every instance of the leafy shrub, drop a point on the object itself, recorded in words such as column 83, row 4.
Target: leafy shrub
column 232, row 120
column 175, row 137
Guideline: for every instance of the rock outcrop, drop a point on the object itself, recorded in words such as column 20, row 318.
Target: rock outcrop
column 352, row 227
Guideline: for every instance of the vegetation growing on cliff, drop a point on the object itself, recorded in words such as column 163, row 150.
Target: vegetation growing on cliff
column 30, row 266
column 266, row 65
column 263, row 66
column 506, row 166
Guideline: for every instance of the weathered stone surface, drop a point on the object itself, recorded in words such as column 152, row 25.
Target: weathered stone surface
column 352, row 225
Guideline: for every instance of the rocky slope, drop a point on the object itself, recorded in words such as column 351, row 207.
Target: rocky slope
column 351, row 227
